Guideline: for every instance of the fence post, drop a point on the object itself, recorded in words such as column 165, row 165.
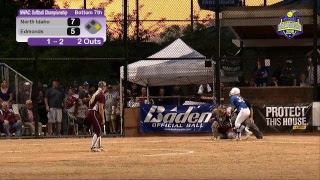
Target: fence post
column 16, row 84
column 191, row 16
column 84, row 4
column 217, row 51
column 34, row 98
column 125, row 67
column 137, row 21
column 125, row 46
column 315, row 50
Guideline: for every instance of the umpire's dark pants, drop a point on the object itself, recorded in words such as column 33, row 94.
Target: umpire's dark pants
column 252, row 126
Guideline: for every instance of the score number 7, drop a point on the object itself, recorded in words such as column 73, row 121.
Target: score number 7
column 60, row 41
column 73, row 21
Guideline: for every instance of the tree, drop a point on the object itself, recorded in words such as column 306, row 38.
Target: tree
column 175, row 31
column 40, row 4
column 171, row 33
column 116, row 29
column 8, row 45
column 201, row 37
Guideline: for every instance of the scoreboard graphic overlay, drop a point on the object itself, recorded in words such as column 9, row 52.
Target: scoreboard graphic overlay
column 61, row 27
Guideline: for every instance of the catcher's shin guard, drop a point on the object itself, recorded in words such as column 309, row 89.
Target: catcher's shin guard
column 214, row 127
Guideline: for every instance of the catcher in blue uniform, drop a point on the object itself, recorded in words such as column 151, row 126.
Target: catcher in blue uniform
column 221, row 124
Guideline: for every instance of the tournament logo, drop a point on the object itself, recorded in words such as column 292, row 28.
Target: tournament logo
column 290, row 25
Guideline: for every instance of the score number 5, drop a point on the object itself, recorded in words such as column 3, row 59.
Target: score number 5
column 60, row 41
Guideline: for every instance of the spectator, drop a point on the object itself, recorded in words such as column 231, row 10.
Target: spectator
column 128, row 95
column 118, row 117
column 112, row 98
column 309, row 66
column 278, row 70
column 134, row 89
column 143, row 96
column 287, row 77
column 160, row 100
column 176, row 92
column 92, row 90
column 310, row 78
column 43, row 117
column 75, row 89
column 80, row 89
column 5, row 94
column 197, row 98
column 133, row 101
column 26, row 95
column 252, row 83
column 24, row 92
column 261, row 74
column 78, row 112
column 9, row 120
column 28, row 120
column 116, row 88
column 54, row 104
column 240, row 3
column 69, row 100
column 303, row 80
column 40, row 86
column 274, row 82
column 84, row 94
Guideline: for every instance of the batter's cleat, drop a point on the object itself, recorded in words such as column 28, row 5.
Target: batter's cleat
column 215, row 138
column 95, row 150
column 248, row 135
column 238, row 137
column 101, row 148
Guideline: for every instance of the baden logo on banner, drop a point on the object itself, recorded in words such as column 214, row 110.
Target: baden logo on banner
column 177, row 119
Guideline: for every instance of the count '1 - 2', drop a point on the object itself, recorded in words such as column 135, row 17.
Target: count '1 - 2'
column 89, row 41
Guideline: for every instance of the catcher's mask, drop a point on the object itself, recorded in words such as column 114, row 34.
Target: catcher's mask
column 220, row 111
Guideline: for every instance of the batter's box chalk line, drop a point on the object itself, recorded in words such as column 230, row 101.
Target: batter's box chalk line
column 168, row 153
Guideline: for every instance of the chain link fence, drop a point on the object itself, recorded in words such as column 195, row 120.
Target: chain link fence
column 276, row 44
column 20, row 87
column 78, row 76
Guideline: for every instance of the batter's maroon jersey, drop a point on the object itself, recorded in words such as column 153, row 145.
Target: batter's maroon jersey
column 98, row 99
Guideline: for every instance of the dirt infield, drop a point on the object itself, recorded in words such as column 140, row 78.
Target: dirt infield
column 274, row 157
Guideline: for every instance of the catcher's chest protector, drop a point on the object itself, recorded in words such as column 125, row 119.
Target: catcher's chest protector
column 224, row 120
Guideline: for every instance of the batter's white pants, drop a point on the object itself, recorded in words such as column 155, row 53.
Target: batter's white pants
column 242, row 116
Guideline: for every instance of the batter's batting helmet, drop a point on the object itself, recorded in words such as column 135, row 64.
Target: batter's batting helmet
column 234, row 91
